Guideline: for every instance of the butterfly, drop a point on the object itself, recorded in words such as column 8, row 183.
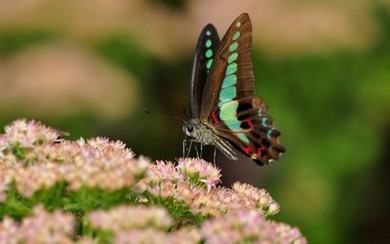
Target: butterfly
column 225, row 112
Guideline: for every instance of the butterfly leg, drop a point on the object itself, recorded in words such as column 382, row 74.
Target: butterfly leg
column 201, row 150
column 196, row 151
column 189, row 148
column 214, row 155
column 184, row 146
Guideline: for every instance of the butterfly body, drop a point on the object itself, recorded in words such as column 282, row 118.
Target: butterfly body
column 205, row 135
column 225, row 112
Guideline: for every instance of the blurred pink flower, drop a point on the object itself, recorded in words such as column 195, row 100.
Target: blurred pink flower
column 61, row 79
column 200, row 170
column 95, row 163
column 260, row 196
column 152, row 236
column 248, row 226
column 125, row 218
column 236, row 214
column 28, row 134
column 281, row 27
column 41, row 227
column 194, row 181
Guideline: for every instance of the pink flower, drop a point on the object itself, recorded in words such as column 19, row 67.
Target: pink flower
column 199, row 171
column 236, row 214
column 124, row 218
column 260, row 197
column 41, row 227
column 182, row 236
column 30, row 133
column 248, row 225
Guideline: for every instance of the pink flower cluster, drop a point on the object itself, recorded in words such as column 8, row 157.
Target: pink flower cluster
column 199, row 171
column 41, row 227
column 95, row 163
column 248, row 226
column 149, row 224
column 152, row 236
column 34, row 157
column 28, row 134
column 194, row 182
column 131, row 217
column 139, row 224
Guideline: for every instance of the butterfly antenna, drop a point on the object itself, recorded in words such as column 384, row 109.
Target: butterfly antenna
column 147, row 111
column 185, row 114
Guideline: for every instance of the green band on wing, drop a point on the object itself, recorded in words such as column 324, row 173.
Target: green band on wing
column 227, row 93
column 229, row 116
column 208, row 43
column 209, row 53
column 231, row 69
column 228, row 111
column 233, row 124
column 243, row 137
column 229, row 80
column 228, row 106
column 209, row 63
column 236, row 35
column 233, row 47
column 233, row 57
column 264, row 121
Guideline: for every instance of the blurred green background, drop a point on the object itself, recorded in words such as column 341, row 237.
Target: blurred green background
column 91, row 67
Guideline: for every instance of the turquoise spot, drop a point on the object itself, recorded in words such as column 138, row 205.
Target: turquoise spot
column 264, row 122
column 229, row 115
column 236, row 35
column 233, row 124
column 231, row 69
column 233, row 57
column 209, row 63
column 209, row 53
column 269, row 133
column 243, row 137
column 228, row 111
column 233, row 47
column 208, row 32
column 229, row 81
column 208, row 43
column 227, row 94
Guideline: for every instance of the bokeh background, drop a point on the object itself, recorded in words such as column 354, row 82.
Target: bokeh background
column 91, row 67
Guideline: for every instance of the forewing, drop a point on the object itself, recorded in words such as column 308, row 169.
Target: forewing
column 206, row 47
column 229, row 104
column 231, row 76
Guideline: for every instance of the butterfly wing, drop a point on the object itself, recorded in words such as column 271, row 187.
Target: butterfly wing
column 229, row 105
column 206, row 47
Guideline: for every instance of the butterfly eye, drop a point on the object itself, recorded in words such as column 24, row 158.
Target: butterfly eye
column 190, row 128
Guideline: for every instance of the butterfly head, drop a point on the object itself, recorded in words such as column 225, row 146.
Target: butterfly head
column 195, row 129
column 188, row 128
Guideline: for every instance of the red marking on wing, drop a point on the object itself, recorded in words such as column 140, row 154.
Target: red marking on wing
column 261, row 151
column 250, row 123
column 247, row 150
column 214, row 117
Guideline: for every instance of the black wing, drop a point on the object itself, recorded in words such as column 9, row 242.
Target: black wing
column 206, row 47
